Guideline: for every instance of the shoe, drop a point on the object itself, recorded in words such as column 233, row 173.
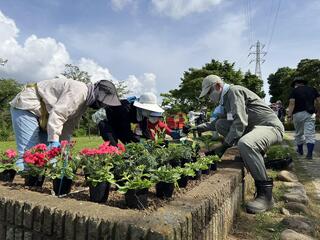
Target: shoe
column 310, row 147
column 300, row 149
column 263, row 200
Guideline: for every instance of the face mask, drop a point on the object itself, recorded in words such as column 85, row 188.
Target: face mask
column 153, row 119
column 214, row 96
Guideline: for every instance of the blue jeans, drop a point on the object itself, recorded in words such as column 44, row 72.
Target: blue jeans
column 27, row 133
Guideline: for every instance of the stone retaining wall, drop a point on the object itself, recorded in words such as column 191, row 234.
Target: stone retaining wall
column 205, row 212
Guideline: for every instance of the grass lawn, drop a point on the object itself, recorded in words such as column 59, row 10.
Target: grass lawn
column 81, row 142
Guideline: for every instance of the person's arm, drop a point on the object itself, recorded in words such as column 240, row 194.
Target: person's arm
column 291, row 107
column 164, row 126
column 68, row 103
column 239, row 114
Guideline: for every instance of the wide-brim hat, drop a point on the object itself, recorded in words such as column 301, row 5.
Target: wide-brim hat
column 107, row 93
column 207, row 83
column 298, row 80
column 148, row 101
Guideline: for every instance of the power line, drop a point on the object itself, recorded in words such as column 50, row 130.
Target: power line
column 274, row 25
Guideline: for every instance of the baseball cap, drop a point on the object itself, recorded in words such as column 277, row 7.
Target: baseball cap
column 207, row 83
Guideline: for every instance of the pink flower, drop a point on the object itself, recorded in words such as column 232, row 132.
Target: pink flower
column 10, row 153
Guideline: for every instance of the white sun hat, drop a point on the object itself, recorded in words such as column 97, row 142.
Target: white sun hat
column 207, row 83
column 148, row 101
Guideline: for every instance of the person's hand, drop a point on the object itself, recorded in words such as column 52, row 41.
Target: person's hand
column 54, row 144
column 221, row 149
column 289, row 118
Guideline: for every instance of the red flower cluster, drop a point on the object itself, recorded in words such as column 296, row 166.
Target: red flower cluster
column 10, row 153
column 37, row 155
column 104, row 148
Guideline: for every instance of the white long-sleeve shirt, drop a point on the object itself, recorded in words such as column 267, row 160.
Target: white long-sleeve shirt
column 65, row 101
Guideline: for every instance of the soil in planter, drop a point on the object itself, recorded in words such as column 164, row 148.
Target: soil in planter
column 33, row 181
column 183, row 181
column 62, row 186
column 100, row 192
column 197, row 176
column 115, row 199
column 164, row 190
column 137, row 198
column 7, row 175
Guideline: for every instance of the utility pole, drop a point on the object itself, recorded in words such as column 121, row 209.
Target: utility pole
column 258, row 58
column 3, row 61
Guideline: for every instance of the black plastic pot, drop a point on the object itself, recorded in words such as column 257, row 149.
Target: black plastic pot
column 100, row 192
column 175, row 163
column 33, row 181
column 197, row 176
column 164, row 190
column 184, row 161
column 7, row 175
column 206, row 171
column 62, row 186
column 137, row 198
column 213, row 167
column 278, row 164
column 183, row 181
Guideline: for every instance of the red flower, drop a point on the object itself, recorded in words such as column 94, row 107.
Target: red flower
column 10, row 153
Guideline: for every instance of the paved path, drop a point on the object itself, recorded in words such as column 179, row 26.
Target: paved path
column 311, row 168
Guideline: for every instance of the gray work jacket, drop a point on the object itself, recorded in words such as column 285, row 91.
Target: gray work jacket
column 247, row 110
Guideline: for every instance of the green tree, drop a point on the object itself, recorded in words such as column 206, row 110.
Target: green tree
column 186, row 97
column 279, row 84
column 252, row 82
column 9, row 88
column 74, row 72
column 309, row 69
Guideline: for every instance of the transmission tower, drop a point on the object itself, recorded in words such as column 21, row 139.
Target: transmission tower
column 3, row 61
column 259, row 54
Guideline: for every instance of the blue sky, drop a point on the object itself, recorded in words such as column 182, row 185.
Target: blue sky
column 149, row 44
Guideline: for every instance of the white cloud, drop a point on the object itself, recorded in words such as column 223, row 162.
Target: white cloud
column 180, row 8
column 36, row 59
column 120, row 4
column 95, row 70
column 145, row 83
column 44, row 58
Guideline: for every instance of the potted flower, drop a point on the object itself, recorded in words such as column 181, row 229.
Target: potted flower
column 136, row 187
column 185, row 173
column 7, row 165
column 197, row 167
column 62, row 168
column 35, row 160
column 179, row 154
column 97, row 165
column 278, row 157
column 166, row 178
column 210, row 161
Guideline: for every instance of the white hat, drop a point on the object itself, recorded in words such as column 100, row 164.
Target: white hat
column 148, row 101
column 207, row 83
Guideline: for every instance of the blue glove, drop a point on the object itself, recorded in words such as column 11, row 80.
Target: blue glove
column 131, row 99
column 217, row 111
column 175, row 134
column 54, row 144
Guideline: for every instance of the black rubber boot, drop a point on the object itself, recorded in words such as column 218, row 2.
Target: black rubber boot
column 300, row 149
column 310, row 147
column 263, row 200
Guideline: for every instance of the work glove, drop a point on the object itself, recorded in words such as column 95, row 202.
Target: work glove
column 221, row 149
column 54, row 144
column 175, row 134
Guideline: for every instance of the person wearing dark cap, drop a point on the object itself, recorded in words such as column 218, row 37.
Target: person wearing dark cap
column 48, row 111
column 304, row 104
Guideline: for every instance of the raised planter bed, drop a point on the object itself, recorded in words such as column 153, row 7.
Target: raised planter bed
column 204, row 211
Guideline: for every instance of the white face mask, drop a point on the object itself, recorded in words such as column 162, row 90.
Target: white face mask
column 214, row 96
column 153, row 119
